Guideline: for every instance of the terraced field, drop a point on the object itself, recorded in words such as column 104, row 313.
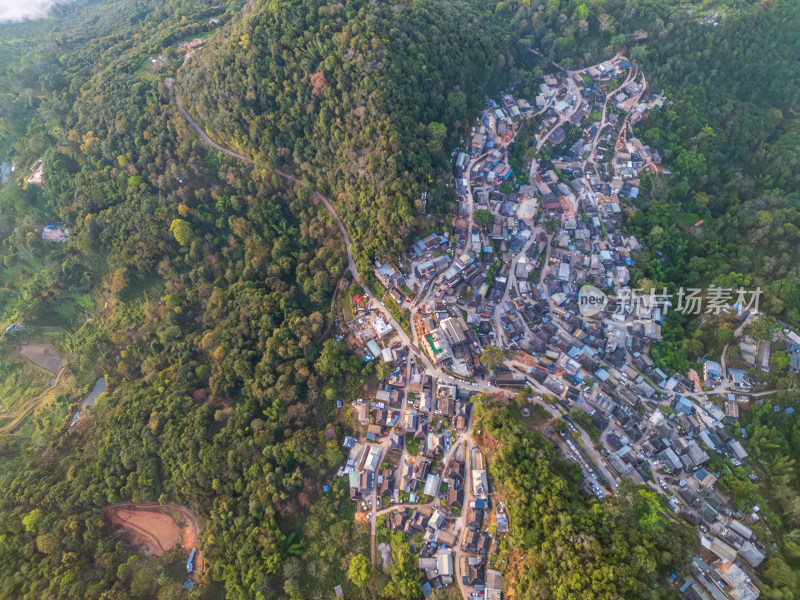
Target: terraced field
column 23, row 400
column 30, row 378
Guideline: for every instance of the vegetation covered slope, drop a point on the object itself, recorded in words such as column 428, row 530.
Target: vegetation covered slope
column 360, row 97
column 563, row 547
column 731, row 134
column 208, row 288
column 200, row 286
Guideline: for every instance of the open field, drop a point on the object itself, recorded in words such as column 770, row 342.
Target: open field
column 347, row 306
column 43, row 355
column 31, row 376
column 18, row 380
column 156, row 528
column 153, row 532
column 528, row 209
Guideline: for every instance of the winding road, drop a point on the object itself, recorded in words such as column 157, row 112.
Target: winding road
column 351, row 264
column 169, row 82
column 414, row 350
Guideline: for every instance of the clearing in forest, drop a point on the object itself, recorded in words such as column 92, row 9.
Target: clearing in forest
column 156, row 528
column 42, row 354
column 528, row 209
column 698, row 387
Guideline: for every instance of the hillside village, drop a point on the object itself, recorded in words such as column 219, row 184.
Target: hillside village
column 506, row 275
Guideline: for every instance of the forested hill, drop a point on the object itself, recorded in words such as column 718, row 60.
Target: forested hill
column 200, row 287
column 732, row 134
column 359, row 96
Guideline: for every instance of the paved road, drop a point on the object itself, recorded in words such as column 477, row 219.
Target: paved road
column 462, row 520
column 471, row 201
column 564, row 118
column 587, row 442
column 384, row 451
column 622, row 134
column 414, row 350
column 464, row 438
column 448, row 457
column 593, row 146
column 510, row 284
column 351, row 265
column 736, row 333
column 205, row 137
column 431, row 285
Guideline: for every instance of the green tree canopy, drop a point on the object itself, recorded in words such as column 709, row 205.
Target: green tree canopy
column 492, row 357
column 360, row 571
column 482, row 217
column 182, row 231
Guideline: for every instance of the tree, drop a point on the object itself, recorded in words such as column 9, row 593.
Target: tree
column 382, row 370
column 690, row 164
column 319, row 83
column 360, row 571
column 46, row 543
column 783, row 579
column 437, row 133
column 482, row 217
column 31, row 520
column 118, row 281
column 633, row 543
column 780, row 360
column 762, row 328
column 725, row 335
column 492, row 357
column 202, row 372
column 182, row 231
column 404, row 584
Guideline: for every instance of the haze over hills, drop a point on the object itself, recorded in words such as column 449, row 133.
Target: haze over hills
column 18, row 10
column 289, row 300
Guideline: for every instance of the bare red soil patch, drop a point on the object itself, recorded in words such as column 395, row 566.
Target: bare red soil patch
column 156, row 528
column 153, row 532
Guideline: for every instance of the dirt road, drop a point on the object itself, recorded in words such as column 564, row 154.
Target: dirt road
column 155, row 527
column 13, row 419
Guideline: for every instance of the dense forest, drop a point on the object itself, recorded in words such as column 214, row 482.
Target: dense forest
column 359, row 97
column 202, row 288
column 210, row 287
column 562, row 547
column 731, row 134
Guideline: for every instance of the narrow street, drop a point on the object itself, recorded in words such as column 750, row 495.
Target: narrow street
column 591, row 461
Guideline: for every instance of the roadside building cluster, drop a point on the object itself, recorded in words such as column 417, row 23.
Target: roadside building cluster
column 507, row 276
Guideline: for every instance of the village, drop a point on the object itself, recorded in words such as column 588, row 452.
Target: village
column 506, row 277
